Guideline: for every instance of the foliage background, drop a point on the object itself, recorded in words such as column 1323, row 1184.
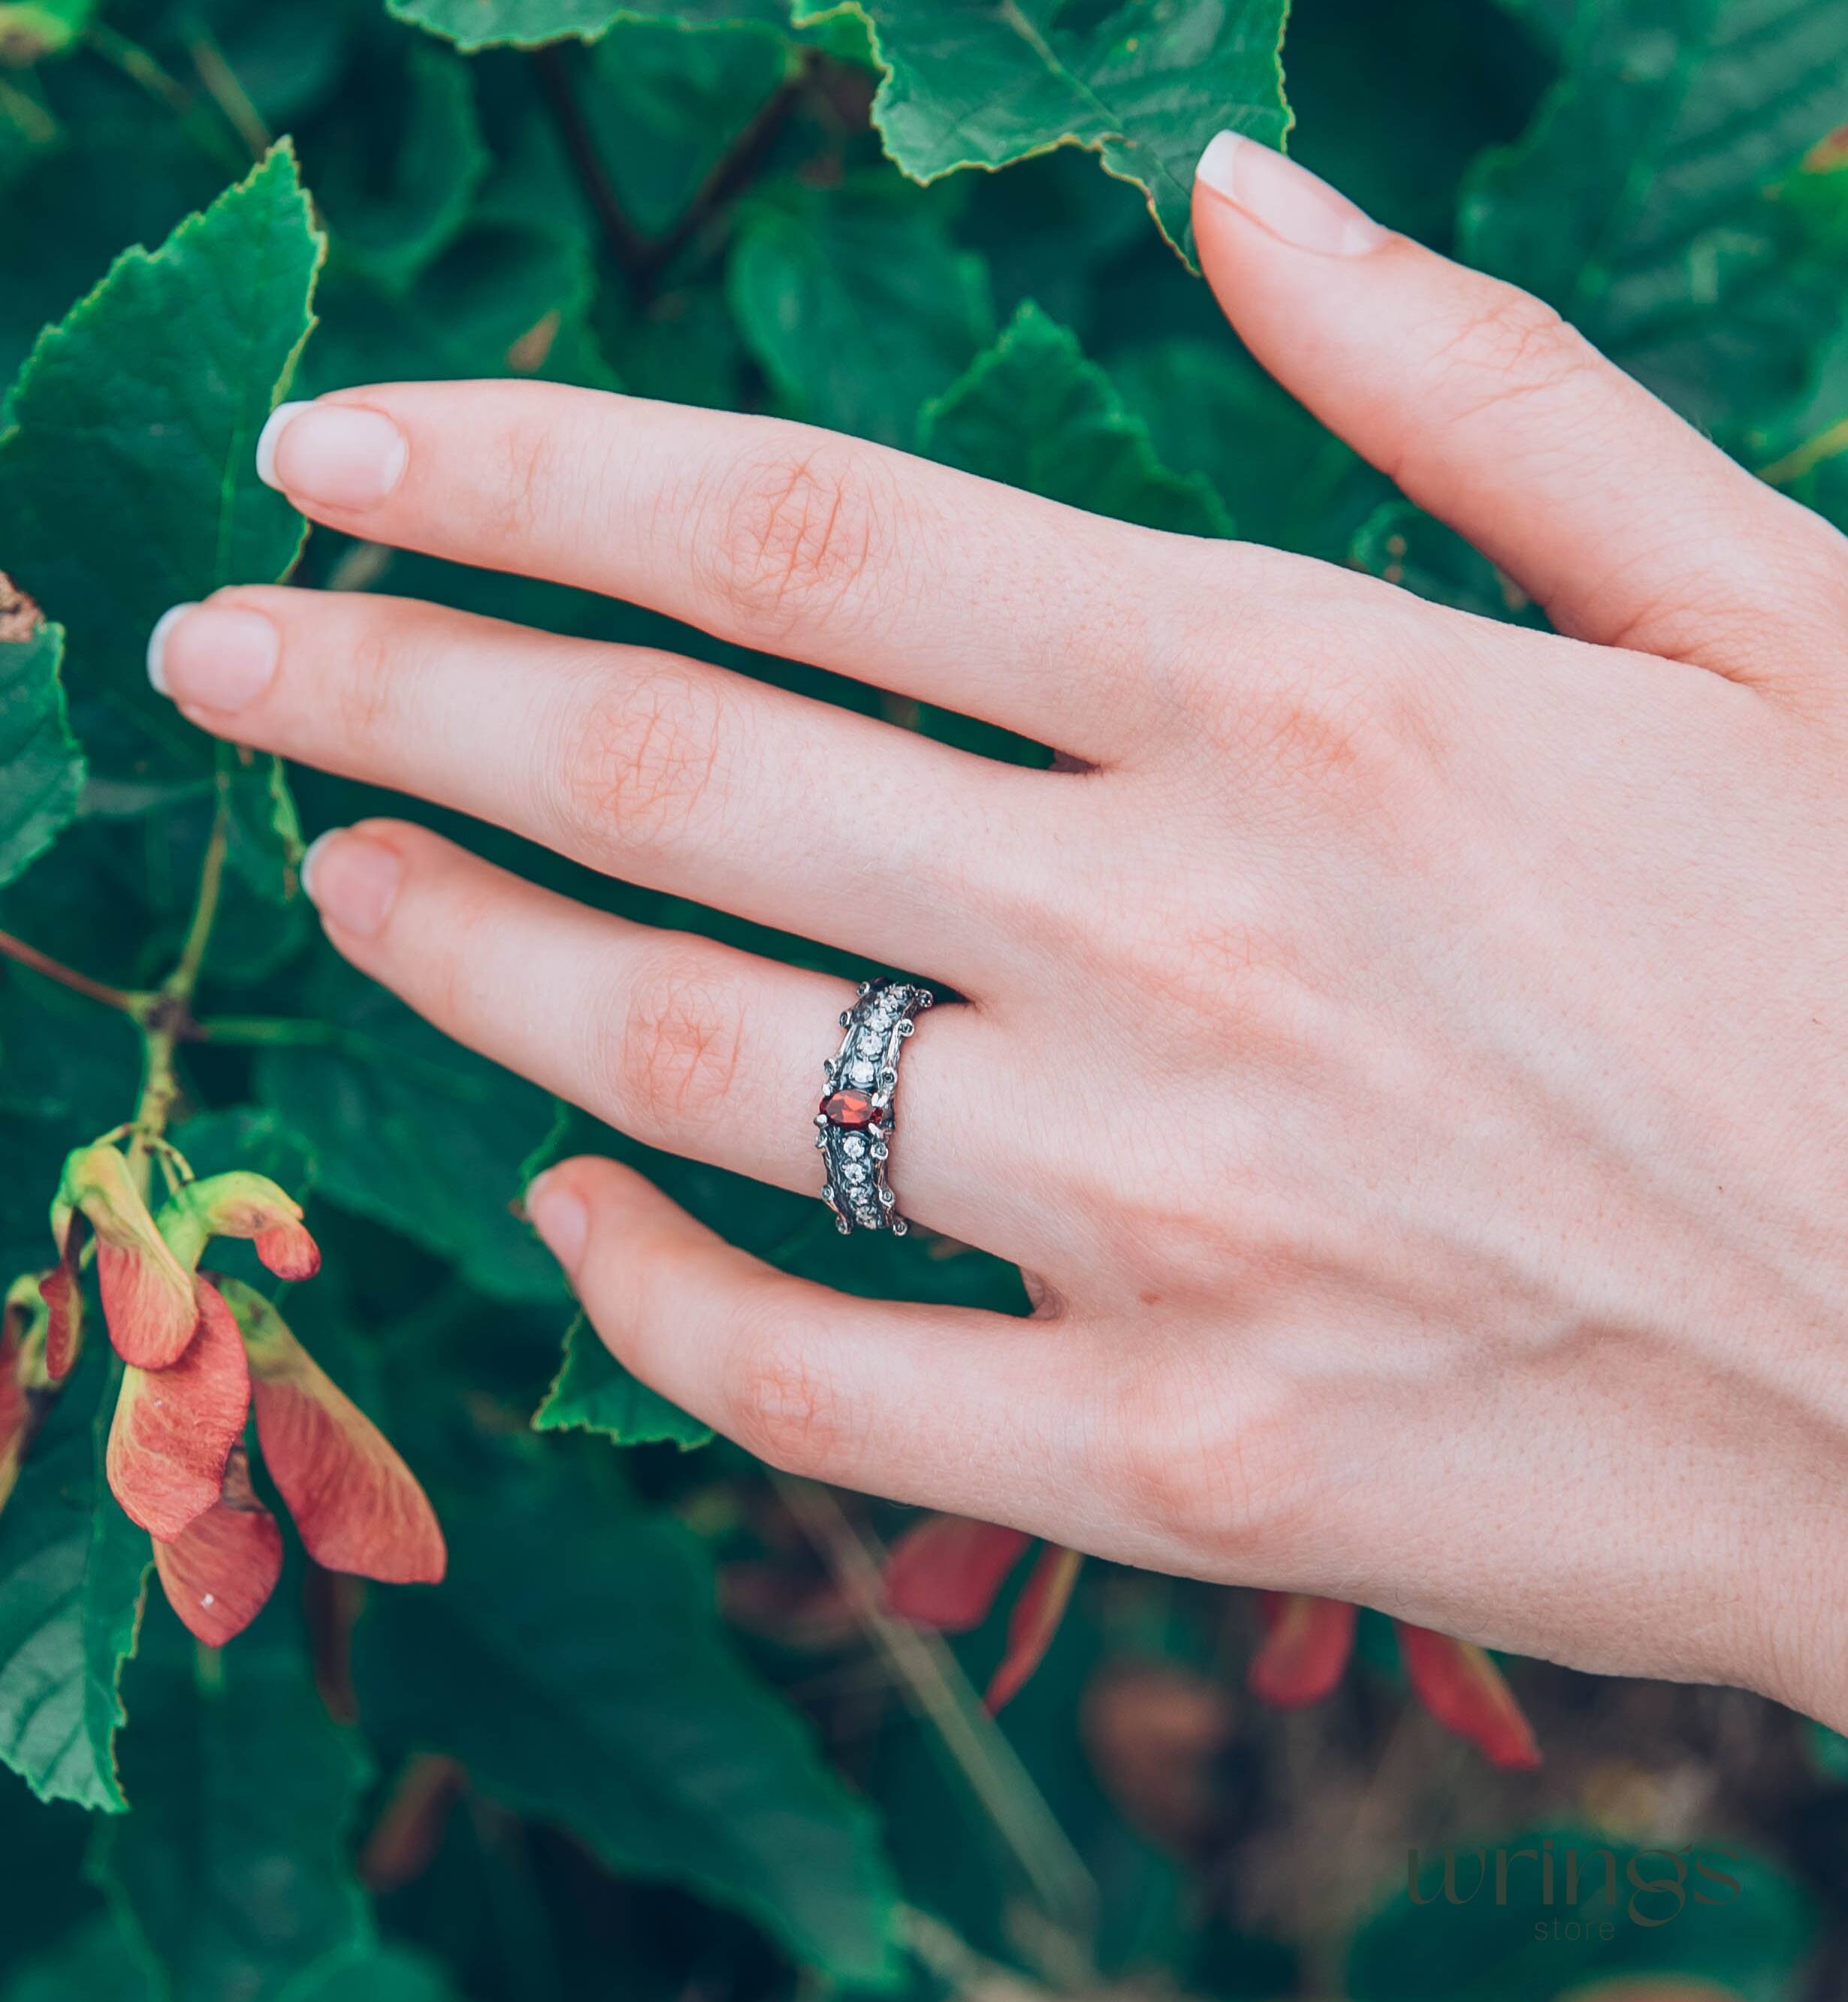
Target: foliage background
column 564, row 1773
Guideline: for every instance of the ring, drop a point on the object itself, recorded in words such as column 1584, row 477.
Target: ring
column 854, row 1126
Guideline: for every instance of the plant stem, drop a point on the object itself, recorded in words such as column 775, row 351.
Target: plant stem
column 642, row 260
column 142, row 69
column 222, row 86
column 940, row 1692
column 168, row 1019
column 125, row 999
column 1813, row 451
column 627, row 246
column 737, row 168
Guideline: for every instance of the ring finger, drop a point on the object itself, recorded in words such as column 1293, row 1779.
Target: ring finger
column 687, row 1044
column 663, row 770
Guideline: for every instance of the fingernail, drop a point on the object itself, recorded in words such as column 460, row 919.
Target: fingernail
column 331, row 454
column 212, row 656
column 351, row 880
column 560, row 1218
column 157, row 644
column 1289, row 201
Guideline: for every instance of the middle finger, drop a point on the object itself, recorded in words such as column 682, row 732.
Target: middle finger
column 663, row 770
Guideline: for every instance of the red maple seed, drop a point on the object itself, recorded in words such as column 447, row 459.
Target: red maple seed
column 174, row 1429
column 1464, row 1690
column 219, row 1571
column 16, row 1406
column 1035, row 1618
column 1307, row 1641
column 358, row 1507
column 63, row 1325
column 946, row 1572
column 147, row 1295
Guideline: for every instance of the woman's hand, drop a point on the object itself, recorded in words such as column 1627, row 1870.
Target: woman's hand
column 1410, row 1053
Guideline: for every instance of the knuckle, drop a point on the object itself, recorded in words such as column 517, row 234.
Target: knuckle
column 638, row 758
column 1361, row 741
column 1223, row 1466
column 780, row 1408
column 799, row 534
column 677, row 1049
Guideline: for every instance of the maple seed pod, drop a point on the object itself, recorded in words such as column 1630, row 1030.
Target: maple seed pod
column 219, row 1571
column 240, row 1203
column 1035, row 1618
column 358, row 1507
column 174, row 1429
column 1307, row 1641
column 21, row 1345
column 946, row 1572
column 146, row 1295
column 28, row 1317
column 1464, row 1690
column 62, row 1292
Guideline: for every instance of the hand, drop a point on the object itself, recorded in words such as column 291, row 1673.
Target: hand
column 1409, row 1053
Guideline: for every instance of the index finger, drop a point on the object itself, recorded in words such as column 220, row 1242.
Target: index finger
column 771, row 535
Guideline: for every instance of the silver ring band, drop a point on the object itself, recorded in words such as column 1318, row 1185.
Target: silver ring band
column 853, row 1128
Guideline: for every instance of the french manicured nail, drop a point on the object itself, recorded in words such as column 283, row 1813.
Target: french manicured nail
column 212, row 656
column 560, row 1218
column 331, row 454
column 1286, row 200
column 351, row 880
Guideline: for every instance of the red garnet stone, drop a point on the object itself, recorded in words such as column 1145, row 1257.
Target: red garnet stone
column 849, row 1108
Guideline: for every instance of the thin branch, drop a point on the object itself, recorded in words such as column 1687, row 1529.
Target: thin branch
column 940, row 1692
column 642, row 260
column 167, row 1020
column 142, row 69
column 123, row 1000
column 223, row 87
column 185, row 976
column 1826, row 445
column 625, row 244
column 736, row 169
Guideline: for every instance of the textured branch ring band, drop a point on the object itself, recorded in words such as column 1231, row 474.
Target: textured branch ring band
column 853, row 1128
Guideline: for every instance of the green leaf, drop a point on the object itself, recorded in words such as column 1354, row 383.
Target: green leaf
column 41, row 767
column 481, row 24
column 663, row 107
column 413, row 1131
column 96, row 1963
column 1145, row 85
column 72, row 1567
column 475, row 310
column 1406, row 546
column 858, row 305
column 385, row 1974
column 593, row 1393
column 1211, row 410
column 264, row 845
column 1640, row 202
column 575, row 1664
column 127, row 482
column 437, row 164
column 233, row 1869
column 1034, row 412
